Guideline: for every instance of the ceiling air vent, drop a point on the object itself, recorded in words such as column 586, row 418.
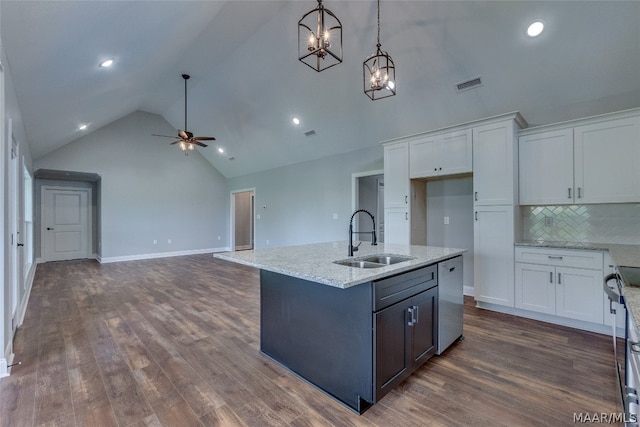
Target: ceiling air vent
column 469, row 84
column 310, row 133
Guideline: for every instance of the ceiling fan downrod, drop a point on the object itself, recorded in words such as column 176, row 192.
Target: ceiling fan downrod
column 185, row 77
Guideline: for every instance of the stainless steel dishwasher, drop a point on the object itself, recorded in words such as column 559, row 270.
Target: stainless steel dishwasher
column 450, row 302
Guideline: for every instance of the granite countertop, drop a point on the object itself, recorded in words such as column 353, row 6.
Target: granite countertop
column 314, row 262
column 622, row 256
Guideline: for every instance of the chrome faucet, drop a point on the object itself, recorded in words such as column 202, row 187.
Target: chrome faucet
column 351, row 232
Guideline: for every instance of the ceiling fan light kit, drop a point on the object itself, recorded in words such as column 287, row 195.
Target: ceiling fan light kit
column 320, row 39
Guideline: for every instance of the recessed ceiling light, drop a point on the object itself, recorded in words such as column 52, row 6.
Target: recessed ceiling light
column 535, row 29
column 220, row 150
column 106, row 63
column 82, row 127
column 296, row 121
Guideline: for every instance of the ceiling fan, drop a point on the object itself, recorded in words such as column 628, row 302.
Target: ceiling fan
column 185, row 138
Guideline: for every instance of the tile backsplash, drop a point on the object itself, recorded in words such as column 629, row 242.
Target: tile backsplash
column 607, row 223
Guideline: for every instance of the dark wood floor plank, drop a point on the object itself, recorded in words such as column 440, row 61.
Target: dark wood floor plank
column 18, row 398
column 175, row 342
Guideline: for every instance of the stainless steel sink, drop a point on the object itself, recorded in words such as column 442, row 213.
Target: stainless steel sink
column 373, row 261
column 358, row 264
column 387, row 259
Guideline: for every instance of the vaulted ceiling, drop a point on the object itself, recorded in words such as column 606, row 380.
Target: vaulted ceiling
column 247, row 84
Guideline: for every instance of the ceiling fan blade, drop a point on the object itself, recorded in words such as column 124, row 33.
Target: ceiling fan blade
column 199, row 143
column 165, row 136
column 204, row 138
column 175, row 142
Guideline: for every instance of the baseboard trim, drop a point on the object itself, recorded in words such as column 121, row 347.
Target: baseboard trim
column 468, row 290
column 107, row 260
column 7, row 360
column 548, row 318
column 4, row 371
column 25, row 300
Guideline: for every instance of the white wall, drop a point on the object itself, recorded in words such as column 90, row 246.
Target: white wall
column 149, row 190
column 296, row 203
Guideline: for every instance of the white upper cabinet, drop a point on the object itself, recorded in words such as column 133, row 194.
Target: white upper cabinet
column 396, row 175
column 494, row 163
column 439, row 155
column 546, row 168
column 596, row 162
column 607, row 156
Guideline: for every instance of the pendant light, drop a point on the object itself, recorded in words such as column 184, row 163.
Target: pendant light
column 320, row 39
column 379, row 72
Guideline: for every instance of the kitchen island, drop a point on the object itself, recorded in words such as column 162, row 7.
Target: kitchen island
column 353, row 332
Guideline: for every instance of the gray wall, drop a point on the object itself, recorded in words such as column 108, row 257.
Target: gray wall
column 296, row 203
column 149, row 190
column 452, row 197
column 368, row 200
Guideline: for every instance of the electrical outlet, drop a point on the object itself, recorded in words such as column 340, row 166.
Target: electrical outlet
column 155, row 242
column 169, row 241
column 548, row 221
column 258, row 216
column 267, row 241
column 446, row 220
column 335, row 216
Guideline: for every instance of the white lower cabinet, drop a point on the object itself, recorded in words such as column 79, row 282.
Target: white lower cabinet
column 564, row 283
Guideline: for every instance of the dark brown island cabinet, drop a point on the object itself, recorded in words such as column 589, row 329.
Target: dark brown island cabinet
column 355, row 344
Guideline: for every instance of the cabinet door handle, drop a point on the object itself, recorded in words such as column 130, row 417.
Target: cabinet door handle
column 569, row 193
column 554, row 257
column 417, row 312
column 551, row 277
column 579, row 193
column 559, row 279
column 476, row 215
column 410, row 316
column 406, row 216
column 452, row 268
column 475, row 196
column 406, row 199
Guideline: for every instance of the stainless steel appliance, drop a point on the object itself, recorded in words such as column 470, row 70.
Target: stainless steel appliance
column 627, row 350
column 450, row 302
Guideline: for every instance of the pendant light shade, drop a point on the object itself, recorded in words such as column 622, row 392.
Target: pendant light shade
column 320, row 39
column 379, row 72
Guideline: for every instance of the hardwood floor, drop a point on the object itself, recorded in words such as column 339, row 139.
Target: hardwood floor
column 174, row 342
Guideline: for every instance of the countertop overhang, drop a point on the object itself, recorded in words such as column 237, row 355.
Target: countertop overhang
column 314, row 262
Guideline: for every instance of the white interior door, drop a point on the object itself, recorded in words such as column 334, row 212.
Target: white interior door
column 65, row 225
